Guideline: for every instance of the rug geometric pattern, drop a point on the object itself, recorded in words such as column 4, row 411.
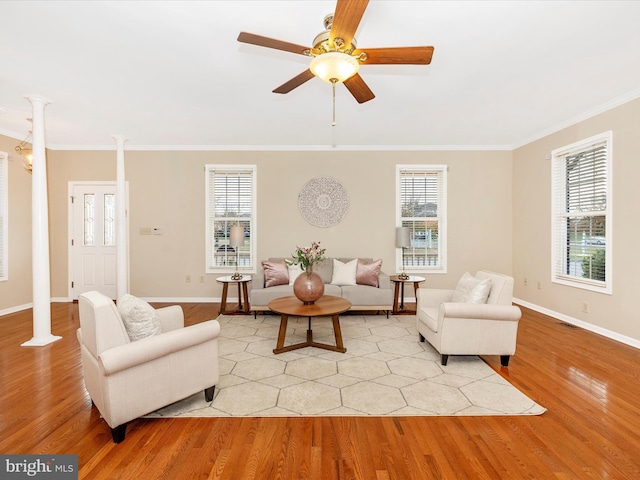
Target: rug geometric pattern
column 385, row 371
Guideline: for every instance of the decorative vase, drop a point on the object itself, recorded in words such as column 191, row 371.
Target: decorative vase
column 308, row 286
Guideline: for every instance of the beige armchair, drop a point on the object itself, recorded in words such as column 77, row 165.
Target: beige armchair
column 126, row 379
column 469, row 328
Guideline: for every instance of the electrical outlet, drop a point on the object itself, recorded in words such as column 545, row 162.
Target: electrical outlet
column 145, row 230
column 539, row 284
column 201, row 278
column 585, row 307
column 188, row 278
column 526, row 282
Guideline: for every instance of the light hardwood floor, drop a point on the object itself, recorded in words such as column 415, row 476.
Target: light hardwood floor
column 589, row 384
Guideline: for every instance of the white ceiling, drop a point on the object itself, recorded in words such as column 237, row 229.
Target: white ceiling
column 168, row 74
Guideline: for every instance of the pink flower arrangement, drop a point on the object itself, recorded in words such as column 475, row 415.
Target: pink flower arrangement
column 306, row 257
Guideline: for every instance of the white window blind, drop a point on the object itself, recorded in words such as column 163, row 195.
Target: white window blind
column 4, row 212
column 581, row 231
column 230, row 201
column 421, row 200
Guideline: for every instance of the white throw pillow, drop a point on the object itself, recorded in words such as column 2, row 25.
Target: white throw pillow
column 344, row 273
column 471, row 289
column 140, row 319
column 294, row 271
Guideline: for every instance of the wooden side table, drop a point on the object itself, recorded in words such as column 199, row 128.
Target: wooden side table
column 399, row 291
column 327, row 305
column 242, row 291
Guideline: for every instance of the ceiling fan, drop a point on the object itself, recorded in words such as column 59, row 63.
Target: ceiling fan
column 336, row 59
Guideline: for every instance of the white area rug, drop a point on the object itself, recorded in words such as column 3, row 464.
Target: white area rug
column 385, row 371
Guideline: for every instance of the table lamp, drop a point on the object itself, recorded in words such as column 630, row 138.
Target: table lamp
column 403, row 239
column 236, row 240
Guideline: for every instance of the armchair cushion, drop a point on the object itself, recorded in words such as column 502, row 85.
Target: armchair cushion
column 140, row 319
column 471, row 289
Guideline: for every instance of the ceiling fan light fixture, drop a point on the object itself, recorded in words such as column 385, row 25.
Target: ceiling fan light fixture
column 334, row 67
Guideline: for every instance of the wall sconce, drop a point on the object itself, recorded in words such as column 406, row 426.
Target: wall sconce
column 26, row 153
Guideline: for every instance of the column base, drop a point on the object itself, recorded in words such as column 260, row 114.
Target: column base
column 41, row 341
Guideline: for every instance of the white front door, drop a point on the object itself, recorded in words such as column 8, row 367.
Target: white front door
column 93, row 238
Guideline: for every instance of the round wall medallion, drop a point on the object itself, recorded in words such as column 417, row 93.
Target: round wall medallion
column 323, row 202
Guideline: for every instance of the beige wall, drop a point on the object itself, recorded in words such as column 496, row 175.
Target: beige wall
column 16, row 292
column 532, row 224
column 167, row 191
column 499, row 216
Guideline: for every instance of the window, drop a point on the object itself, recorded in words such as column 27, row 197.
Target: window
column 581, row 203
column 4, row 212
column 422, row 206
column 230, row 201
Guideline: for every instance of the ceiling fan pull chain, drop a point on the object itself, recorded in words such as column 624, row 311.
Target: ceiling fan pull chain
column 333, row 86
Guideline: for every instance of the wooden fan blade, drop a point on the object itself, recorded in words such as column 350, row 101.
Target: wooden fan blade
column 295, row 82
column 346, row 19
column 397, row 55
column 261, row 41
column 359, row 89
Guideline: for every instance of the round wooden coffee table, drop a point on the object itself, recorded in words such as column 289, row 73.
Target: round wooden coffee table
column 325, row 306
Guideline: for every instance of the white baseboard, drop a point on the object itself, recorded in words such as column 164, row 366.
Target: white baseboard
column 579, row 323
column 17, row 308
column 187, row 299
column 560, row 316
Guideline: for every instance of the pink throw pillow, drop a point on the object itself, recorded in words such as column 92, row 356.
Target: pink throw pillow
column 367, row 273
column 275, row 273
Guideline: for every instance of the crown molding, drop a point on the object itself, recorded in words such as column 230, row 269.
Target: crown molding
column 616, row 102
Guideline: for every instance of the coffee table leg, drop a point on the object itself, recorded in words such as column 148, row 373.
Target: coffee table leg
column 338, row 334
column 282, row 333
column 309, row 333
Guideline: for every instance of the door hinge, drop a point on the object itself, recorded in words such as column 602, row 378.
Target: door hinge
column 72, row 284
column 73, row 199
column 72, row 242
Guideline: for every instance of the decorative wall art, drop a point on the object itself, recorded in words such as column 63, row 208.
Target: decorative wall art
column 323, row 202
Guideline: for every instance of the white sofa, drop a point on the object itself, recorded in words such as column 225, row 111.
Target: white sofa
column 362, row 297
column 469, row 328
column 127, row 379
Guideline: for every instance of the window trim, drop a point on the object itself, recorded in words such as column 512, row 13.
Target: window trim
column 558, row 195
column 441, row 170
column 223, row 269
column 4, row 215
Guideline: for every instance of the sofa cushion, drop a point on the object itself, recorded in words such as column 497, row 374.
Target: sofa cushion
column 365, row 296
column 140, row 319
column 275, row 273
column 294, row 271
column 324, row 269
column 344, row 273
column 367, row 273
column 471, row 289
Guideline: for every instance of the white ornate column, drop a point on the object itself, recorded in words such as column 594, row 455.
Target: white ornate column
column 122, row 237
column 40, row 231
